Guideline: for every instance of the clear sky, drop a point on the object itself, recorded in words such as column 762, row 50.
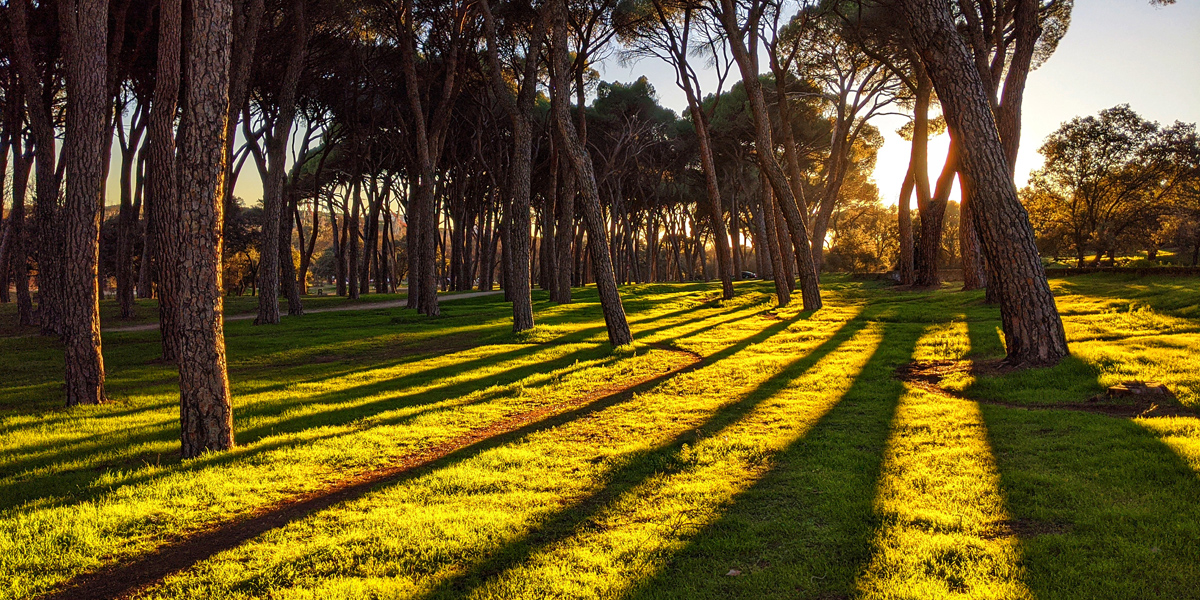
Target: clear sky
column 1116, row 52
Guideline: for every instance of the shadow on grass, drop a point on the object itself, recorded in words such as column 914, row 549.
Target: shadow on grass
column 805, row 529
column 632, row 473
column 1111, row 508
column 182, row 554
column 65, row 488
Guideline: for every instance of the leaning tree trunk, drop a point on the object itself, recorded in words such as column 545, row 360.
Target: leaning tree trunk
column 206, row 412
column 84, row 28
column 162, row 203
column 713, row 190
column 783, row 288
column 810, row 289
column 581, row 163
column 1033, row 330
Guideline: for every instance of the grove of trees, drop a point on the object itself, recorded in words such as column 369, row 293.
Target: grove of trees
column 458, row 144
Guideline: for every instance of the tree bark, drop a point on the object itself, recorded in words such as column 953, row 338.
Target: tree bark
column 18, row 262
column 46, row 187
column 581, row 165
column 275, row 213
column 84, row 26
column 162, row 204
column 206, row 412
column 904, row 216
column 932, row 216
column 782, row 288
column 810, row 290
column 1033, row 331
column 520, row 111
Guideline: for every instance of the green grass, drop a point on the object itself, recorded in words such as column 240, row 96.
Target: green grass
column 768, row 442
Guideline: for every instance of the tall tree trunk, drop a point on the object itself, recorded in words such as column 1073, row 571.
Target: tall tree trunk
column 581, row 163
column 353, row 273
column 782, row 288
column 46, row 187
column 566, row 223
column 1033, row 331
column 275, row 213
column 18, row 250
column 287, row 268
column 520, row 111
column 748, row 65
column 162, row 204
column 206, row 412
column 11, row 134
column 906, row 267
column 84, row 26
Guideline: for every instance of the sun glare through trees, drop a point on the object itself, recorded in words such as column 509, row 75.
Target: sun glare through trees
column 500, row 328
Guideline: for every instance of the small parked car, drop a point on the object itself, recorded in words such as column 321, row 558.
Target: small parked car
column 749, row 275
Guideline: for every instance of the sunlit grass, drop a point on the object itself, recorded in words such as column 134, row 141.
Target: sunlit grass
column 787, row 462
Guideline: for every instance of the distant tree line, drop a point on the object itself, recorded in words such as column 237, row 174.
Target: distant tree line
column 1116, row 183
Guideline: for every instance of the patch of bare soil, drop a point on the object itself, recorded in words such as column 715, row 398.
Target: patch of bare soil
column 1129, row 399
column 1026, row 529
column 181, row 552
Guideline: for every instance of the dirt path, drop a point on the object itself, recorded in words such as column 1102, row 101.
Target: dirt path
column 928, row 376
column 363, row 306
column 180, row 553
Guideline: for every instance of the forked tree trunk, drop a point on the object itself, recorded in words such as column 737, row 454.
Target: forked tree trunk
column 127, row 219
column 84, row 28
column 581, row 163
column 932, row 215
column 206, row 413
column 1033, row 329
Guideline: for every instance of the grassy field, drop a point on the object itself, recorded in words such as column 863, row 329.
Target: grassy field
column 737, row 451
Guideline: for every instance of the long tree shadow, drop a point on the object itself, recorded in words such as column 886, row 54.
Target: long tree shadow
column 75, row 486
column 635, row 471
column 1102, row 506
column 173, row 557
column 163, row 431
column 805, row 528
